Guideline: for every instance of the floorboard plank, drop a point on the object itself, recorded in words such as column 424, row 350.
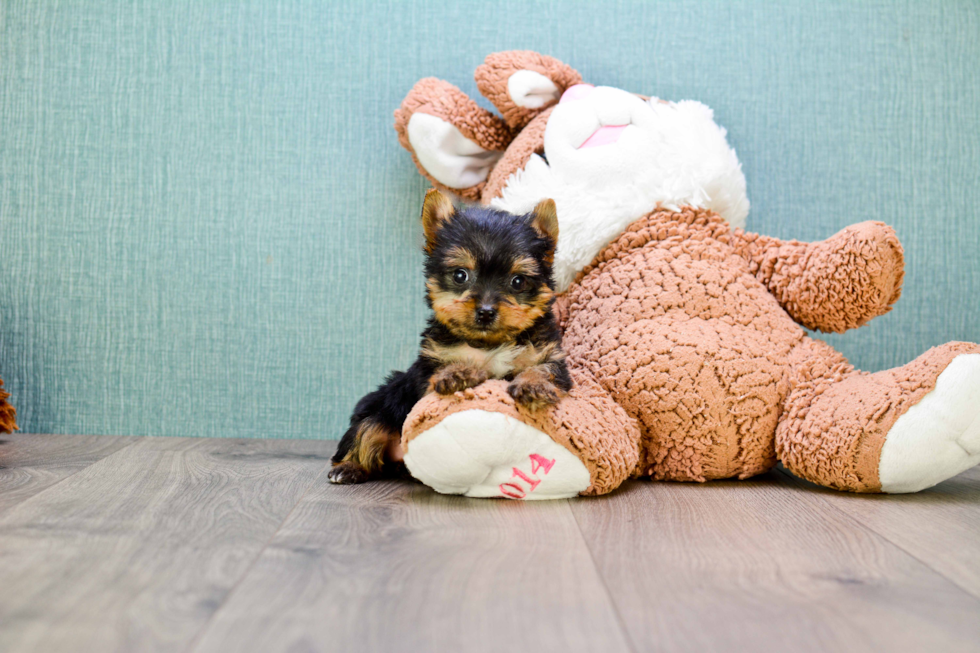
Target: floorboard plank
column 392, row 566
column 764, row 565
column 940, row 526
column 138, row 550
column 30, row 463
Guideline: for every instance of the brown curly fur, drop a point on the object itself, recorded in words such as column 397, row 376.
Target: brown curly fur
column 7, row 413
column 687, row 345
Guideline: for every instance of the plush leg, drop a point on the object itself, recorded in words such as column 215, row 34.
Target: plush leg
column 480, row 443
column 898, row 430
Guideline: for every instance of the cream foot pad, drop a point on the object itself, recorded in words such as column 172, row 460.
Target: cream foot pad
column 939, row 437
column 479, row 453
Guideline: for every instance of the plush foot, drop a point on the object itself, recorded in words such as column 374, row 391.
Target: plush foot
column 347, row 473
column 480, row 453
column 938, row 437
column 480, row 443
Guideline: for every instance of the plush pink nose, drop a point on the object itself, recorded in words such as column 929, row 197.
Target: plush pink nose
column 576, row 92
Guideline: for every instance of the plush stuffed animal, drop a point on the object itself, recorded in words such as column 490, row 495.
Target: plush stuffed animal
column 683, row 331
column 8, row 423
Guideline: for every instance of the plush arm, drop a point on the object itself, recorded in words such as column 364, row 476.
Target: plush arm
column 832, row 285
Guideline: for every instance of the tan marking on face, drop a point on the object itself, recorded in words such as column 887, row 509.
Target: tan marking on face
column 457, row 313
column 458, row 257
column 526, row 266
column 516, row 317
column 451, row 309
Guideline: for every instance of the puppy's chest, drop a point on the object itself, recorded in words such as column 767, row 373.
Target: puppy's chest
column 497, row 362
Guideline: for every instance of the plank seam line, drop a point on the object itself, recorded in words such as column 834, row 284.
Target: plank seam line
column 77, row 471
column 883, row 536
column 602, row 579
column 195, row 640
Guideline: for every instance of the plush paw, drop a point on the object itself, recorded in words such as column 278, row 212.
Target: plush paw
column 347, row 473
column 481, row 453
column 456, row 378
column 533, row 394
column 938, row 437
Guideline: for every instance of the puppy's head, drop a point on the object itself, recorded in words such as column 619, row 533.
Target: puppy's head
column 489, row 272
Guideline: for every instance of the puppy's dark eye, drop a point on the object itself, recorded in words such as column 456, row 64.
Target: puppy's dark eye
column 460, row 276
column 517, row 283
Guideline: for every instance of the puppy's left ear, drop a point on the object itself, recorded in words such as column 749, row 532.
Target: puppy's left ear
column 545, row 220
column 436, row 212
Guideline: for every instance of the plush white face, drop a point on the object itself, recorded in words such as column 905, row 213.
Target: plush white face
column 611, row 157
column 599, row 129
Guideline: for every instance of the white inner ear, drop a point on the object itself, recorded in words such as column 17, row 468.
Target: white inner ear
column 531, row 90
column 446, row 154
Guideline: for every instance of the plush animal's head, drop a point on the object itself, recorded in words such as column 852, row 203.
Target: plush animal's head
column 606, row 156
column 488, row 273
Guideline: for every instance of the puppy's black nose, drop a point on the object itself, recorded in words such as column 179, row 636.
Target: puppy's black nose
column 485, row 315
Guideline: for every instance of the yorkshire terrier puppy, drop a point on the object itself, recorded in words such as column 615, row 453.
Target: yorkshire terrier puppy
column 490, row 288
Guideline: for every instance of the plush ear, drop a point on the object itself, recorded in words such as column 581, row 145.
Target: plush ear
column 454, row 142
column 545, row 219
column 437, row 210
column 521, row 83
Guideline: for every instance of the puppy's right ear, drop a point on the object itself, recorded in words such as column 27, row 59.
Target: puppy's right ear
column 436, row 212
column 454, row 142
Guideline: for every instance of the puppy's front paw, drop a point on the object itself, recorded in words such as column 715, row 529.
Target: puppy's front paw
column 534, row 394
column 456, row 378
column 347, row 473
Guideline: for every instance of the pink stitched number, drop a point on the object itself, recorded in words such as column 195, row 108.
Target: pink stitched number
column 540, row 462
column 533, row 482
column 515, row 491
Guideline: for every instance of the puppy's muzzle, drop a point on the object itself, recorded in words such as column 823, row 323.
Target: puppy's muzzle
column 486, row 316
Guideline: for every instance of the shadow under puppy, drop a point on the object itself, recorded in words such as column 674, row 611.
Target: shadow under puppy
column 490, row 287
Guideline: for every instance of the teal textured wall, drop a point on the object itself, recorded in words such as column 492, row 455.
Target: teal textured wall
column 210, row 229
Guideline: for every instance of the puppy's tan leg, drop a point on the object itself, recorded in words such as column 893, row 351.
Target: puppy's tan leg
column 534, row 388
column 456, row 377
column 365, row 459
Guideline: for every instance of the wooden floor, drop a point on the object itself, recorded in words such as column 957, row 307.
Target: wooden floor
column 183, row 544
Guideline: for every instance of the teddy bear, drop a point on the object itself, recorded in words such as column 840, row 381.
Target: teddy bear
column 684, row 333
column 8, row 414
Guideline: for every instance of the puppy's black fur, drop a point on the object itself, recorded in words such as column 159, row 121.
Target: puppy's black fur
column 490, row 287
